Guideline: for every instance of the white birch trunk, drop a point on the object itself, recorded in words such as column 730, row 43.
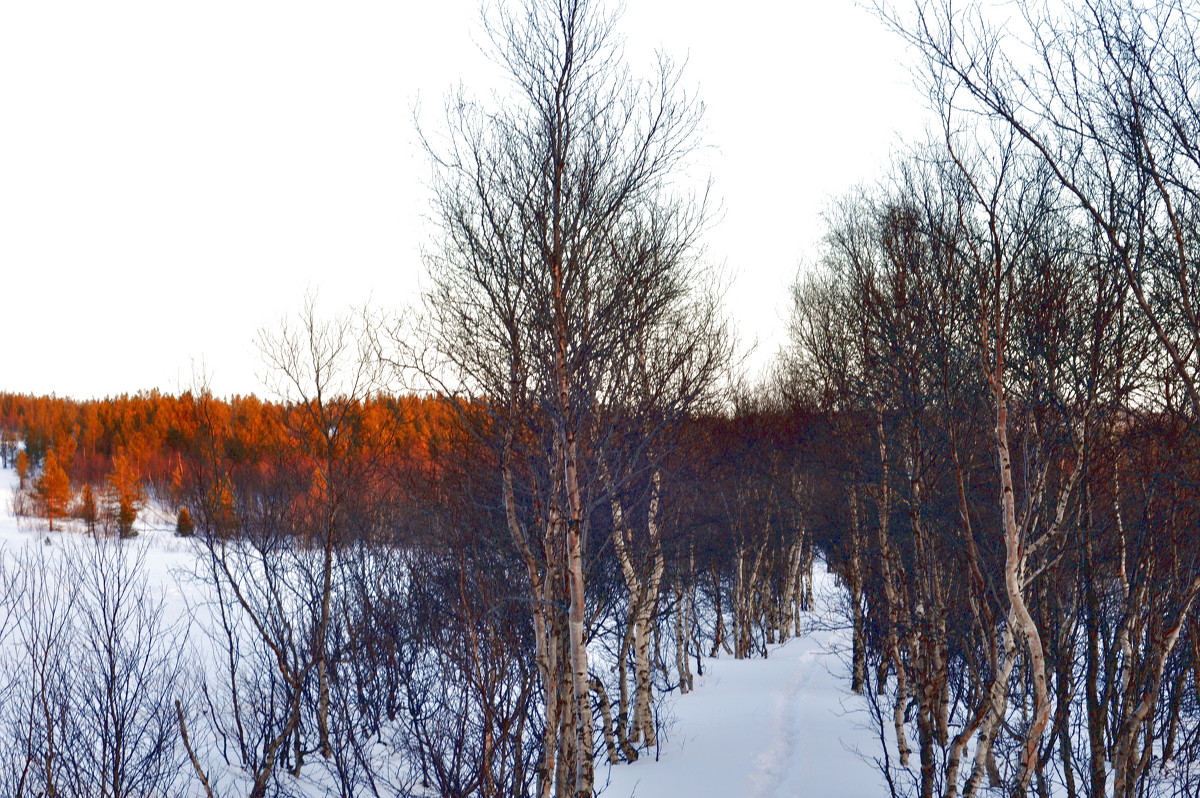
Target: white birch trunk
column 1014, row 567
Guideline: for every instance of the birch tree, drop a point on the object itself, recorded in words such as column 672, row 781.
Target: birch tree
column 974, row 307
column 560, row 236
column 328, row 369
column 1101, row 94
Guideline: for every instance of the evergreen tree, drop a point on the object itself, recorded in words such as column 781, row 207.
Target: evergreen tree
column 127, row 513
column 87, row 507
column 183, row 523
column 53, row 489
column 125, row 494
column 223, row 508
column 22, row 468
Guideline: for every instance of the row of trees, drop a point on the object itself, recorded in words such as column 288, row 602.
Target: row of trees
column 1015, row 532
column 1003, row 335
column 154, row 431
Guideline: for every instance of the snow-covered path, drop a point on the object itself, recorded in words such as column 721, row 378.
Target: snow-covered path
column 783, row 727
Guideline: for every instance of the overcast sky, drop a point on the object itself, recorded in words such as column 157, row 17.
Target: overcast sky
column 175, row 175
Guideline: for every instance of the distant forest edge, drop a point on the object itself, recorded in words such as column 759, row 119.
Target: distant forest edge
column 211, row 454
column 157, row 438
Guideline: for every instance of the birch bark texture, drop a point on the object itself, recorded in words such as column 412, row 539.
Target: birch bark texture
column 563, row 239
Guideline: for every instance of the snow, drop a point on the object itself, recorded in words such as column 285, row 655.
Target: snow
column 782, row 726
column 164, row 554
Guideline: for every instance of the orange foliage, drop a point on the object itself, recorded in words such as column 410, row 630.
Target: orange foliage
column 202, row 449
column 53, row 490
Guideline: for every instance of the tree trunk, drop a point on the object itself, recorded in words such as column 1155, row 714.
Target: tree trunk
column 1014, row 566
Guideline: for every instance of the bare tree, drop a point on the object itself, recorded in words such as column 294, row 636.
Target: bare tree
column 961, row 310
column 1102, row 93
column 91, row 675
column 37, row 692
column 128, row 669
column 328, row 369
column 562, row 240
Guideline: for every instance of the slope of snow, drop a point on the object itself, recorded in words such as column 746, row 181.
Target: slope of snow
column 164, row 554
column 762, row 728
column 786, row 726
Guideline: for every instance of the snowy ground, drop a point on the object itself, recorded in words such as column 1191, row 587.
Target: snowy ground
column 164, row 553
column 783, row 727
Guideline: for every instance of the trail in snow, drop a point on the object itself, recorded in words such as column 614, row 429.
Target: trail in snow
column 774, row 765
column 783, row 727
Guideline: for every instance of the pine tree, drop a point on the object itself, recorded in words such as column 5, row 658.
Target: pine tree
column 222, row 505
column 53, row 489
column 127, row 513
column 22, row 468
column 125, row 493
column 87, row 507
column 183, row 523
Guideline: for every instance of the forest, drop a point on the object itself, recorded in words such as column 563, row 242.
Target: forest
column 468, row 548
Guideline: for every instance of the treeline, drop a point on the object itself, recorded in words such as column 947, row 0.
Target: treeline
column 148, row 444
column 154, row 429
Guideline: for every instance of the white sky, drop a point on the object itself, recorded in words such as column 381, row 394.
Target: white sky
column 175, row 175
